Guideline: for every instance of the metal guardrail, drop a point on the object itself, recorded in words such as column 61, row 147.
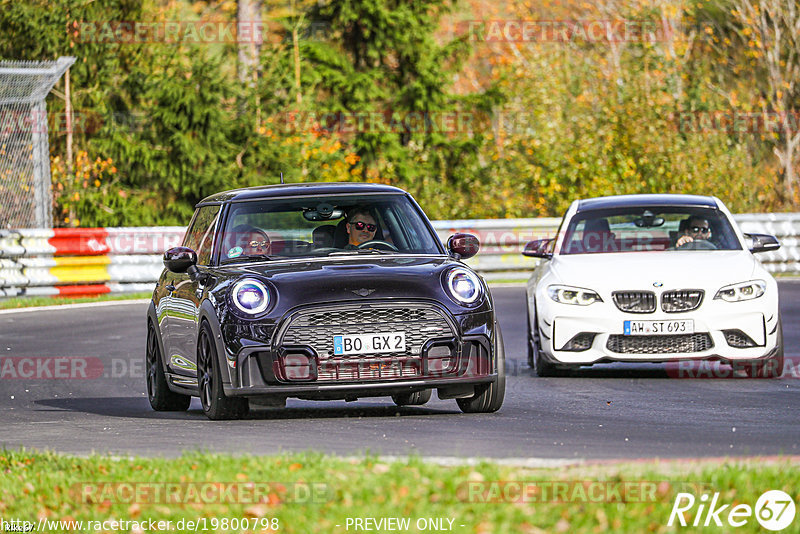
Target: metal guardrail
column 102, row 260
column 83, row 261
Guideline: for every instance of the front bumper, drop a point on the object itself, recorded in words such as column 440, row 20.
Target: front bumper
column 725, row 331
column 443, row 351
column 260, row 371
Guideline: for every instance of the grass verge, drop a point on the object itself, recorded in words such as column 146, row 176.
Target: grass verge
column 27, row 302
column 311, row 492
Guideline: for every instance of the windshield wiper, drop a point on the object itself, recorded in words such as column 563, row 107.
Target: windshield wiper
column 250, row 258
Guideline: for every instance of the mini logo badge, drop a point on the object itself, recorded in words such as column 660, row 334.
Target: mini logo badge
column 363, row 292
column 657, row 284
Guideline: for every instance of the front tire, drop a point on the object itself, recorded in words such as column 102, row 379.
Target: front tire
column 489, row 398
column 216, row 405
column 418, row 398
column 162, row 399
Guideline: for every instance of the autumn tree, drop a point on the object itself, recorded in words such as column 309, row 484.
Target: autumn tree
column 770, row 32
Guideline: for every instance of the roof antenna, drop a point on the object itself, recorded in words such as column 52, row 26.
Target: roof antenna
column 282, row 182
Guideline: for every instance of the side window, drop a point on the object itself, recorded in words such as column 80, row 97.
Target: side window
column 200, row 235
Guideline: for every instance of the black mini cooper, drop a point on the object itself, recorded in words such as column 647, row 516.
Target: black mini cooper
column 320, row 291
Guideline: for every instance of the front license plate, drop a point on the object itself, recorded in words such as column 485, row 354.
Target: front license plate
column 369, row 343
column 658, row 328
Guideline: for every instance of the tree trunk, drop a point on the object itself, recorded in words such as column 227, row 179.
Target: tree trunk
column 249, row 34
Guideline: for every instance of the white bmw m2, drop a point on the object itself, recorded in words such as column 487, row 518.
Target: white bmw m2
column 652, row 278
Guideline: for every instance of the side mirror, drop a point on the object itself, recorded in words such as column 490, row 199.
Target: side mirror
column 763, row 242
column 180, row 259
column 463, row 245
column 539, row 248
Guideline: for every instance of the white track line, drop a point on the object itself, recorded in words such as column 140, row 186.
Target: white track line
column 74, row 306
column 454, row 461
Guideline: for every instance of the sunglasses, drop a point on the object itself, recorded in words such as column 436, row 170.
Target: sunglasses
column 700, row 229
column 259, row 244
column 360, row 225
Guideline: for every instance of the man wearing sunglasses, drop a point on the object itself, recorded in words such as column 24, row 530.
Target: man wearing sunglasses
column 361, row 227
column 697, row 229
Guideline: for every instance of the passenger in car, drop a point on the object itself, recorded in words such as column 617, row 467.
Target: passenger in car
column 251, row 240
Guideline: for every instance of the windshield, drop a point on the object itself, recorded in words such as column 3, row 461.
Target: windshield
column 651, row 229
column 323, row 226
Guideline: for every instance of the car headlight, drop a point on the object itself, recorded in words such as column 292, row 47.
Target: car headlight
column 463, row 286
column 250, row 296
column 742, row 291
column 573, row 295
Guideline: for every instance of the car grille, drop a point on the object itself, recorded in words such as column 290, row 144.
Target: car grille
column 368, row 369
column 659, row 344
column 635, row 301
column 681, row 301
column 316, row 328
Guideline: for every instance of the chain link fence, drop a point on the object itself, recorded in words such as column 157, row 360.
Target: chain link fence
column 25, row 199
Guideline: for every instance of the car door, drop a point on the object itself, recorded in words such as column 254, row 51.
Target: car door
column 186, row 297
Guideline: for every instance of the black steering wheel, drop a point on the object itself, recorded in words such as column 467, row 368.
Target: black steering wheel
column 377, row 243
column 698, row 244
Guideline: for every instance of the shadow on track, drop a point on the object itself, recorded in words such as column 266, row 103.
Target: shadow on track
column 712, row 371
column 520, row 368
column 137, row 407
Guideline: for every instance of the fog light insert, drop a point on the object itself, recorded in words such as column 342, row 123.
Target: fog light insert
column 738, row 339
column 439, row 358
column 580, row 342
column 299, row 366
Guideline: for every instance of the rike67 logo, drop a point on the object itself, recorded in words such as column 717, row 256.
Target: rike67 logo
column 774, row 510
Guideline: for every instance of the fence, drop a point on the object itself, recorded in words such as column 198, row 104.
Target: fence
column 103, row 260
column 25, row 198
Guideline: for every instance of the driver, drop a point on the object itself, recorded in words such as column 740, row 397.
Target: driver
column 361, row 227
column 698, row 229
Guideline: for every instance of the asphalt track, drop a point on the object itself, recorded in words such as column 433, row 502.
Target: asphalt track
column 609, row 411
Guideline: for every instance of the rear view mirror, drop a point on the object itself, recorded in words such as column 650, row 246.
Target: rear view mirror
column 539, row 248
column 180, row 259
column 464, row 245
column 323, row 212
column 648, row 220
column 762, row 242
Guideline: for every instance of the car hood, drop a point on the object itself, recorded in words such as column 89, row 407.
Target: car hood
column 354, row 279
column 641, row 270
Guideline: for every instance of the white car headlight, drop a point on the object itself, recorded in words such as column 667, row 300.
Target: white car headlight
column 250, row 296
column 573, row 295
column 742, row 291
column 463, row 286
